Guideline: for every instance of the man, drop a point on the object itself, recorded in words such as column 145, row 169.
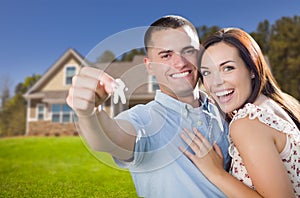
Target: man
column 146, row 138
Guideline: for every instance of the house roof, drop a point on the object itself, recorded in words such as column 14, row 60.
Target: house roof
column 117, row 69
column 69, row 53
column 133, row 73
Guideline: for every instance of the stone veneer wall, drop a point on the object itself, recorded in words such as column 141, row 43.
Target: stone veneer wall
column 48, row 128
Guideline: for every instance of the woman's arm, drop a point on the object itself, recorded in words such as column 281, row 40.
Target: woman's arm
column 210, row 163
column 255, row 142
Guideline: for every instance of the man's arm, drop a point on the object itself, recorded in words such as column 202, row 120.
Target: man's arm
column 90, row 88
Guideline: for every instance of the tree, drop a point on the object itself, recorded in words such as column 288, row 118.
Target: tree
column 284, row 56
column 262, row 35
column 5, row 82
column 107, row 56
column 13, row 114
column 204, row 31
column 130, row 55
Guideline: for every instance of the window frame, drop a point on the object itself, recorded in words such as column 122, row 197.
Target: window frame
column 61, row 113
column 152, row 84
column 66, row 76
column 42, row 113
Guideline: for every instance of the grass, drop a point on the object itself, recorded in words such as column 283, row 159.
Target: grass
column 57, row 167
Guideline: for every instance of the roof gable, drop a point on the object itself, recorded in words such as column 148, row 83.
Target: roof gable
column 69, row 54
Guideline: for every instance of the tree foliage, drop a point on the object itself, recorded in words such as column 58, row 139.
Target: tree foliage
column 130, row 55
column 5, row 82
column 13, row 113
column 284, row 56
column 262, row 35
column 106, row 57
column 204, row 31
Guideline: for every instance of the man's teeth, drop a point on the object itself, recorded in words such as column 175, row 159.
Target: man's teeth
column 180, row 75
column 223, row 93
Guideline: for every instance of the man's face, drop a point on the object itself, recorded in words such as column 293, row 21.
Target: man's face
column 172, row 58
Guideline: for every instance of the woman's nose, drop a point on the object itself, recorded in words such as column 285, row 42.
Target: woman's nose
column 218, row 79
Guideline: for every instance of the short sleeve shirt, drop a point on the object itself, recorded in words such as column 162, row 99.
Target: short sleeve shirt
column 159, row 168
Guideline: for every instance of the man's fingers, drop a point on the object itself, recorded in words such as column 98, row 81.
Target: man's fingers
column 80, row 98
column 101, row 95
column 102, row 78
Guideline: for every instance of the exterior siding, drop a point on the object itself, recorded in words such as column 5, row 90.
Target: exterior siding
column 57, row 81
column 33, row 108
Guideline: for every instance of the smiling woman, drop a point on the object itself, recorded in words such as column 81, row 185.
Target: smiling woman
column 223, row 70
column 264, row 121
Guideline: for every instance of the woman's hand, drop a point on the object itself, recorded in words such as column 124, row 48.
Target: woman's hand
column 208, row 160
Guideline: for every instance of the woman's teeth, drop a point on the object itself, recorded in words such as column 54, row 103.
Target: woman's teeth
column 223, row 93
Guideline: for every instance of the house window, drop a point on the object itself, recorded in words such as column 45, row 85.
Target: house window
column 62, row 113
column 40, row 111
column 70, row 72
column 56, row 113
column 66, row 116
column 153, row 85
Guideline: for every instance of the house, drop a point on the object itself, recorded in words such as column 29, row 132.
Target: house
column 47, row 111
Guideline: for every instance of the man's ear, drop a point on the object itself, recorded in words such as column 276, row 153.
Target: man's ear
column 148, row 65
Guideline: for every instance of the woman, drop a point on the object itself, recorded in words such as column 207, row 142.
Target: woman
column 264, row 121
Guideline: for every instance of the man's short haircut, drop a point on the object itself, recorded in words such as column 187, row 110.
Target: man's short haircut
column 166, row 22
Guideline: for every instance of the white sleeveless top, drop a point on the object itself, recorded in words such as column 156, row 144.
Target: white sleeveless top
column 291, row 153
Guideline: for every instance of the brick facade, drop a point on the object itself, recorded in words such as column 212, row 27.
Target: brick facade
column 48, row 128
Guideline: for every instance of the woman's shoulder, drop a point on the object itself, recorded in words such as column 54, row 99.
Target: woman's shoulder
column 266, row 113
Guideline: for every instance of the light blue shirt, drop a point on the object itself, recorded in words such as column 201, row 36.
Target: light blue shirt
column 159, row 168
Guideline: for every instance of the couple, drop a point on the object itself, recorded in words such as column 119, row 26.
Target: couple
column 150, row 139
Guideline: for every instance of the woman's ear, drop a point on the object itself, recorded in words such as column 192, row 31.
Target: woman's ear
column 148, row 65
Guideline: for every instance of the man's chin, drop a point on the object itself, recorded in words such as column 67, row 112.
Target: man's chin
column 184, row 93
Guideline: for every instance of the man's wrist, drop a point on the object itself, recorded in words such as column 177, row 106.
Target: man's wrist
column 81, row 114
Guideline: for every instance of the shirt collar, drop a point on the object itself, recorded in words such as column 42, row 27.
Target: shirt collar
column 177, row 105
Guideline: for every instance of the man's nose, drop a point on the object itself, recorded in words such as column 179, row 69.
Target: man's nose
column 179, row 60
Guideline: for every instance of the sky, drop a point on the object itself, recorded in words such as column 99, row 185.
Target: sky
column 35, row 33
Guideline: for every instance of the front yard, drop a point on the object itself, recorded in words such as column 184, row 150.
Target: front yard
column 57, row 167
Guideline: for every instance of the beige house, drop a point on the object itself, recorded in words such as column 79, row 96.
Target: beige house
column 47, row 111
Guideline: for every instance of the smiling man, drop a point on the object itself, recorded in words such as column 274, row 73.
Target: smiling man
column 146, row 138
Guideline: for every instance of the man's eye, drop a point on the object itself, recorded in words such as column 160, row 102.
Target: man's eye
column 166, row 56
column 190, row 51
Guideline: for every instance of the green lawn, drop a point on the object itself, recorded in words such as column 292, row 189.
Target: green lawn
column 57, row 167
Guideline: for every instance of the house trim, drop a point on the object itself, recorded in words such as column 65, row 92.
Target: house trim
column 28, row 116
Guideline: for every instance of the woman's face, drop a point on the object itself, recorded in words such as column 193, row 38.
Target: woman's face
column 226, row 76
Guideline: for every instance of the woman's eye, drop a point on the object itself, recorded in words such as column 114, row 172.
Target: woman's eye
column 205, row 73
column 228, row 68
